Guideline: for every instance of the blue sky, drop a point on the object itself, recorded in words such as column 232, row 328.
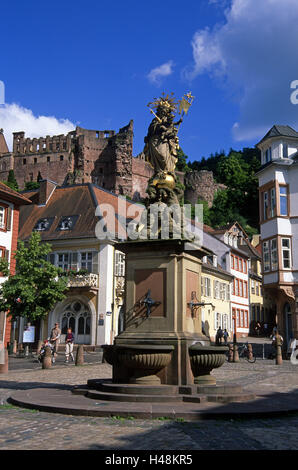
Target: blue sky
column 97, row 64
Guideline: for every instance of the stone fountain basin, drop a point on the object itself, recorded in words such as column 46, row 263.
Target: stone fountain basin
column 145, row 360
column 204, row 359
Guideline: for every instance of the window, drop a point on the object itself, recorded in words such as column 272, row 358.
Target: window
column 274, row 258
column 24, row 161
column 286, row 253
column 252, row 286
column 257, row 288
column 232, row 261
column 245, row 289
column 266, row 256
column 86, row 261
column 228, row 292
column 67, row 223
column 268, row 155
column 285, row 150
column 202, row 286
column 216, row 289
column 2, row 217
column 241, row 288
column 61, row 157
column 64, row 261
column 119, row 264
column 236, row 289
column 222, row 291
column 43, row 224
column 265, row 205
column 273, row 202
column 240, row 265
column 207, row 287
column 283, row 200
column 48, row 159
column 236, row 263
column 244, row 266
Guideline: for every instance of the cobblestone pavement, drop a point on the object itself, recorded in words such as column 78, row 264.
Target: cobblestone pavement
column 34, row 430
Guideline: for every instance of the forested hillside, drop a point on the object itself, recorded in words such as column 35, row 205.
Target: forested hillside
column 239, row 201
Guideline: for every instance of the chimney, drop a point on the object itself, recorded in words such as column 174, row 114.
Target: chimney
column 46, row 188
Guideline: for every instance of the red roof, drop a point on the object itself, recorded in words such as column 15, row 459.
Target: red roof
column 11, row 195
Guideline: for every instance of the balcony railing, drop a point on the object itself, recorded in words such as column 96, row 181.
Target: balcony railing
column 84, row 280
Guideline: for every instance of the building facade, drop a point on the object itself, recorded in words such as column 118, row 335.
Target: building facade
column 215, row 293
column 70, row 218
column 10, row 203
column 278, row 196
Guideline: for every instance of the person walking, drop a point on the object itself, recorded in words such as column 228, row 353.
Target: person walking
column 219, row 335
column 69, row 340
column 225, row 336
column 55, row 339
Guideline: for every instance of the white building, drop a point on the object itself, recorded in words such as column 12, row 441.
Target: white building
column 278, row 196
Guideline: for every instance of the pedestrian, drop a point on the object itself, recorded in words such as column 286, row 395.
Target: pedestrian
column 55, row 339
column 219, row 335
column 225, row 336
column 258, row 328
column 69, row 339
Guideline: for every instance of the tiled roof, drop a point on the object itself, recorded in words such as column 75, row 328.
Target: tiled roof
column 79, row 200
column 12, row 195
column 280, row 131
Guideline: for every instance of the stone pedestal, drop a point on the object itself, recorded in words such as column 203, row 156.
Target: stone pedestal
column 171, row 271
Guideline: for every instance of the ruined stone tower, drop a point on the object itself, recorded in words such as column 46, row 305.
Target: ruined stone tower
column 82, row 156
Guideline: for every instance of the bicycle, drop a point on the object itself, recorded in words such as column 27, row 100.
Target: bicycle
column 243, row 352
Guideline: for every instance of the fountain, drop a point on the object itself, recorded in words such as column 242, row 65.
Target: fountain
column 162, row 356
column 162, row 350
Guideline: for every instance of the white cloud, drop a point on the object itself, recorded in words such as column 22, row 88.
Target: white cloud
column 255, row 54
column 14, row 118
column 156, row 75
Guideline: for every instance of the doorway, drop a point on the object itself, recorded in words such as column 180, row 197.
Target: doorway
column 77, row 316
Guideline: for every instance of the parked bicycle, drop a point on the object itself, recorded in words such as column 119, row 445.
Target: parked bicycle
column 243, row 352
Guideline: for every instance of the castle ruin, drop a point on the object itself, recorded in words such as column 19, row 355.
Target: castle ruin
column 104, row 158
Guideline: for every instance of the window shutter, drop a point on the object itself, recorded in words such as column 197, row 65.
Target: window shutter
column 6, row 255
column 9, row 218
column 95, row 266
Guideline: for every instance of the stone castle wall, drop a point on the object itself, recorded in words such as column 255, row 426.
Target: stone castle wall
column 201, row 185
column 104, row 158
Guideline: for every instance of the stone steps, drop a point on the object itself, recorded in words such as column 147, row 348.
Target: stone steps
column 163, row 394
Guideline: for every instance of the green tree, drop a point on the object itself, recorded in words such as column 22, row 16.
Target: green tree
column 182, row 164
column 31, row 185
column 37, row 285
column 11, row 181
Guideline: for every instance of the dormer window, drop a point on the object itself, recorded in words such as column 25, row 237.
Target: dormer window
column 43, row 224
column 67, row 222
